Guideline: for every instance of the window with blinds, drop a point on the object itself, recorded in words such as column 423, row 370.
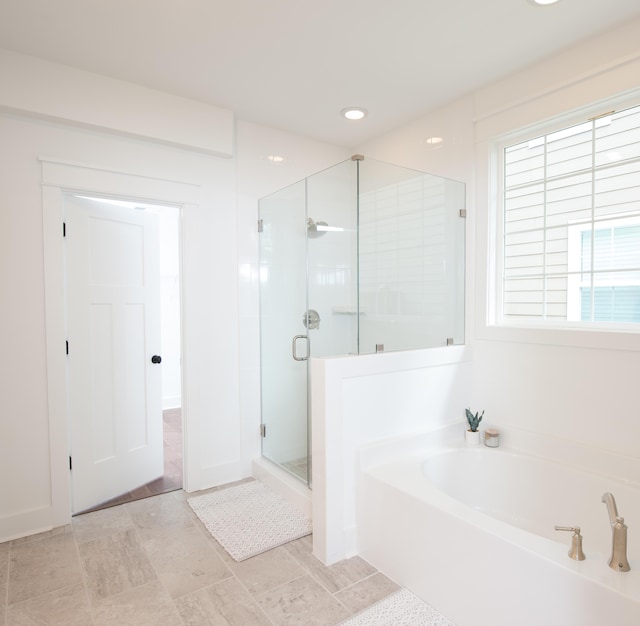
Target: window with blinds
column 571, row 223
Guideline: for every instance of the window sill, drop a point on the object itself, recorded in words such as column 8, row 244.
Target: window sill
column 589, row 337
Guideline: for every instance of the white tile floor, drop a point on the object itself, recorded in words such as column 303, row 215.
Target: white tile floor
column 151, row 562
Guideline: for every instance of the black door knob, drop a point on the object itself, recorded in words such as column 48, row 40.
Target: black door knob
column 156, row 358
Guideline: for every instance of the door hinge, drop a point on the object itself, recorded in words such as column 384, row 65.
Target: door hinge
column 66, row 347
column 463, row 212
column 263, row 430
column 70, row 463
column 260, row 226
column 64, row 229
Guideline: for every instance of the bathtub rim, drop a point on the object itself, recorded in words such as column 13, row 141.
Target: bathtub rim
column 397, row 462
column 579, row 455
column 376, row 520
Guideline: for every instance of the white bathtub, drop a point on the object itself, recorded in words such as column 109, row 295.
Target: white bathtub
column 470, row 529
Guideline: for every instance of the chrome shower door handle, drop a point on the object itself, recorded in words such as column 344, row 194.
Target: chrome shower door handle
column 294, row 345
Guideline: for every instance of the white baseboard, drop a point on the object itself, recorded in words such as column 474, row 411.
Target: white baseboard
column 214, row 476
column 25, row 523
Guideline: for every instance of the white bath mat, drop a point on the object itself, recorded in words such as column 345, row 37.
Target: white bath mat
column 249, row 519
column 399, row 609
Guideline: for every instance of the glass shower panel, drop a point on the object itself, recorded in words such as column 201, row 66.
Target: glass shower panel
column 332, row 259
column 411, row 258
column 283, row 303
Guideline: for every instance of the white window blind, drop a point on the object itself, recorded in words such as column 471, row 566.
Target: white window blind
column 571, row 223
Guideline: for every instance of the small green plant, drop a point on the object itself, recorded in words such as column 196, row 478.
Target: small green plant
column 474, row 420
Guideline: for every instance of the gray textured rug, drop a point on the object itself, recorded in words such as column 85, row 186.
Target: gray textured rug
column 399, row 609
column 249, row 519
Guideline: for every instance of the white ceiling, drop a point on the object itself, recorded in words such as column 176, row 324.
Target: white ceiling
column 294, row 64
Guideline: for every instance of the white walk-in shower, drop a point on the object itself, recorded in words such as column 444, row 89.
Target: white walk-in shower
column 359, row 258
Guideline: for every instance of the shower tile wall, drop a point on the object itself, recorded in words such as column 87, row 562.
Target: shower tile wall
column 406, row 264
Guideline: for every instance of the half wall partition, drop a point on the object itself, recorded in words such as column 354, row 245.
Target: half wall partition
column 360, row 258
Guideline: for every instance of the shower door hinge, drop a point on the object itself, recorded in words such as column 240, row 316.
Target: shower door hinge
column 463, row 212
column 70, row 463
column 263, row 430
column 64, row 229
column 260, row 226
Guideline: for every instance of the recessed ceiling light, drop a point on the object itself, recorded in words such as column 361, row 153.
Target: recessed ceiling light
column 275, row 158
column 539, row 3
column 354, row 113
column 433, row 141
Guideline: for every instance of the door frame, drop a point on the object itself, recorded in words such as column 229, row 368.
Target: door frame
column 59, row 178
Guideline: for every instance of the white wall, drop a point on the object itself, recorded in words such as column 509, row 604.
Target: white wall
column 574, row 385
column 209, row 276
column 578, row 386
column 361, row 399
column 218, row 233
column 53, row 91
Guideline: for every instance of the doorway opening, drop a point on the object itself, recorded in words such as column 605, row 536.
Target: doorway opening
column 132, row 398
column 172, row 477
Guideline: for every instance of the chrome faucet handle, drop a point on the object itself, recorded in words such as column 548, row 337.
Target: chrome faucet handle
column 575, row 552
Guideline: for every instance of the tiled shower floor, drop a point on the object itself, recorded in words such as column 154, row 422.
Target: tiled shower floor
column 299, row 467
column 152, row 563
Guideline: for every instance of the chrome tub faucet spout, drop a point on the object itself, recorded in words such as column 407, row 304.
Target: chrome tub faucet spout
column 618, row 560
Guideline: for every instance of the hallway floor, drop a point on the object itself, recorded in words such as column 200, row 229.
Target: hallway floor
column 172, row 476
column 152, row 563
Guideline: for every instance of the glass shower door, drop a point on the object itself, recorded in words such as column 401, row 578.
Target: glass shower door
column 284, row 341
column 308, row 302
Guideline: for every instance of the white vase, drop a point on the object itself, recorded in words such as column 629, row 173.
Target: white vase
column 472, row 438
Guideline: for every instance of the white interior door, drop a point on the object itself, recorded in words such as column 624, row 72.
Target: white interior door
column 113, row 331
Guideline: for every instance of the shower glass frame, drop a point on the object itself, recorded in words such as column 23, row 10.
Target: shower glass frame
column 377, row 250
